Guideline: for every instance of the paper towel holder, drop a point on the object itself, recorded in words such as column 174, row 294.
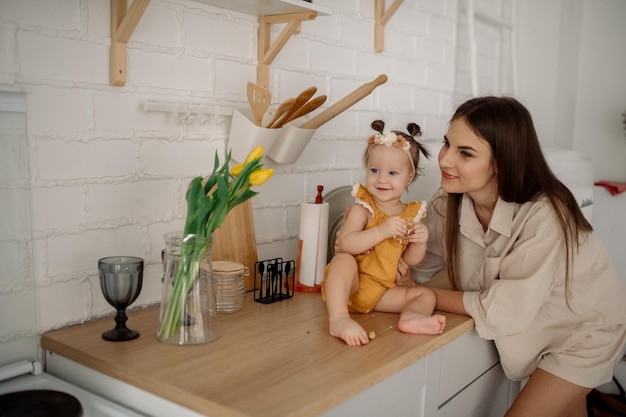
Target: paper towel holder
column 300, row 287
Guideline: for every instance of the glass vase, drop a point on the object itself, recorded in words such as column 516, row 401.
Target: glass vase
column 189, row 305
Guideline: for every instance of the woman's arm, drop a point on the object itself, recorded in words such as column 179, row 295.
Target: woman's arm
column 449, row 300
column 416, row 250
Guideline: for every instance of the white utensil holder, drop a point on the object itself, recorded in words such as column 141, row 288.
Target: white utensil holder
column 289, row 144
column 283, row 146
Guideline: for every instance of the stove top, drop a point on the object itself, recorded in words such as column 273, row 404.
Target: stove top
column 92, row 405
column 40, row 403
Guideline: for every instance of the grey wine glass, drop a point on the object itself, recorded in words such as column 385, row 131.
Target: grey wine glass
column 120, row 280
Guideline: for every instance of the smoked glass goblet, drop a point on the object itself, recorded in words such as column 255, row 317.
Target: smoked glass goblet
column 120, row 280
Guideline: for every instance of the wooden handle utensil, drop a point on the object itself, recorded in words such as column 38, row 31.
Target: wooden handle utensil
column 307, row 108
column 280, row 111
column 352, row 98
column 302, row 98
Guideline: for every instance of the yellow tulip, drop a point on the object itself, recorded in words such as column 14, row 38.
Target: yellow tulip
column 261, row 176
column 256, row 153
column 236, row 170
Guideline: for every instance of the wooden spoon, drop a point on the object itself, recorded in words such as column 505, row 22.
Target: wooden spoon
column 307, row 108
column 282, row 108
column 302, row 98
column 259, row 98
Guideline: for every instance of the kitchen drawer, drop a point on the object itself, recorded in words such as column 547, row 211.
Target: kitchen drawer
column 464, row 361
column 402, row 394
column 488, row 396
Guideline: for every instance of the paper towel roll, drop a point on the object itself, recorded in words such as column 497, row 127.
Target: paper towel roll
column 314, row 236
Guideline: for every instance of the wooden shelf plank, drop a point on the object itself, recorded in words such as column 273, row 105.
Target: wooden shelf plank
column 267, row 7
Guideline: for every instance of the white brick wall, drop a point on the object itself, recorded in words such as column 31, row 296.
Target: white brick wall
column 109, row 178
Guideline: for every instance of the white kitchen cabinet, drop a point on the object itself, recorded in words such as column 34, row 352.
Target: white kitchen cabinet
column 488, row 396
column 402, row 394
column 463, row 362
column 462, row 379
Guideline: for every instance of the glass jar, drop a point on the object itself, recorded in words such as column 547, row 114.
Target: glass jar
column 188, row 305
column 230, row 285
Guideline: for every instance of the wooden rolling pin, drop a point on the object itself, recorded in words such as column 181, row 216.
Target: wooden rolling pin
column 352, row 98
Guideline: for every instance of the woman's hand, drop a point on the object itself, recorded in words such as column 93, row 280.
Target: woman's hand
column 403, row 276
column 336, row 247
column 418, row 235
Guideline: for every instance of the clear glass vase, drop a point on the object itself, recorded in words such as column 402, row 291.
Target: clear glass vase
column 189, row 305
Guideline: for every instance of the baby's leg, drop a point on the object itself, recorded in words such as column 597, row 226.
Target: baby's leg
column 341, row 282
column 416, row 316
column 416, row 306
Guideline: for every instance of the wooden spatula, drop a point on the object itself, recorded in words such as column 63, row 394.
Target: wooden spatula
column 259, row 98
column 282, row 108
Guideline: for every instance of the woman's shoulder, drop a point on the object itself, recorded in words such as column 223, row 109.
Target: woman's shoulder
column 537, row 217
column 539, row 206
column 439, row 199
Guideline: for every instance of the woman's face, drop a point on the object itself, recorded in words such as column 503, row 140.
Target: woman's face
column 466, row 163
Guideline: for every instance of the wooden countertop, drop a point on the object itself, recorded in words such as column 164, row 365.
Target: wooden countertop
column 270, row 360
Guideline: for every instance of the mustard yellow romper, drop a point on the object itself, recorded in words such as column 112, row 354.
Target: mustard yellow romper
column 378, row 268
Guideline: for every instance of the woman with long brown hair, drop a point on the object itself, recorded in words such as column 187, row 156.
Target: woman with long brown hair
column 522, row 260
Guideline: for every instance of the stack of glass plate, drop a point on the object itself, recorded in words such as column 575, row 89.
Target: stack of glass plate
column 231, row 288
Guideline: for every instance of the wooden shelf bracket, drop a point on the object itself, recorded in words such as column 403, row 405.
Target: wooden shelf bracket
column 123, row 22
column 382, row 17
column 268, row 52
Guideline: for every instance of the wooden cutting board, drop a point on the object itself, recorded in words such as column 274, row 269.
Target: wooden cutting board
column 235, row 240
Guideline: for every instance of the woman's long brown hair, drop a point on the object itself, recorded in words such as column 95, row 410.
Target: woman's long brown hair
column 523, row 173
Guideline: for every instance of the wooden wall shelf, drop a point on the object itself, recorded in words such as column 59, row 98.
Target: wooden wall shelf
column 267, row 7
column 382, row 17
column 292, row 12
column 268, row 52
column 123, row 22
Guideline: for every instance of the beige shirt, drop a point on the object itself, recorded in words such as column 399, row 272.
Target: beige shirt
column 513, row 276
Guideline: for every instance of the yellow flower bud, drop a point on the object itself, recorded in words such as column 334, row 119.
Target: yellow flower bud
column 236, row 170
column 256, row 153
column 261, row 176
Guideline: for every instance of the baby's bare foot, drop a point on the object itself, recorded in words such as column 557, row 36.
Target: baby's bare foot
column 415, row 323
column 349, row 331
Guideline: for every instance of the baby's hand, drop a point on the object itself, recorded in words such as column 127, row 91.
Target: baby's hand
column 393, row 226
column 418, row 235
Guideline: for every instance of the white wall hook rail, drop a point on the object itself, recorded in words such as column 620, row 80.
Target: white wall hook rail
column 188, row 113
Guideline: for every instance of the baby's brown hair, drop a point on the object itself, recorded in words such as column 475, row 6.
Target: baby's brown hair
column 405, row 141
